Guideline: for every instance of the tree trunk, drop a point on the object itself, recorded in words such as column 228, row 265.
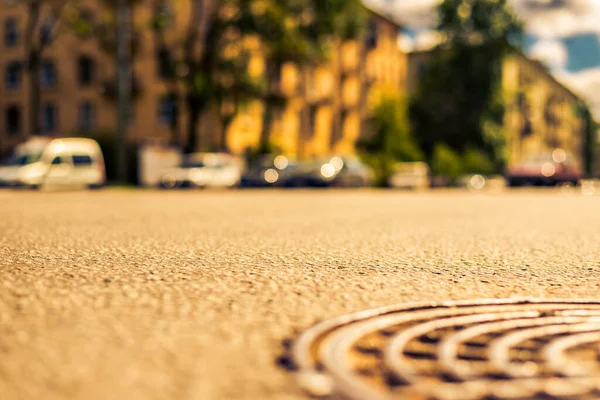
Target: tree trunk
column 33, row 71
column 365, row 89
column 175, row 134
column 194, row 117
column 33, row 11
column 225, row 125
column 265, row 132
column 272, row 70
column 305, row 114
column 336, row 120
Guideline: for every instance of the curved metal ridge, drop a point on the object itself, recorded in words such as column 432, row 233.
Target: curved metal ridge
column 466, row 349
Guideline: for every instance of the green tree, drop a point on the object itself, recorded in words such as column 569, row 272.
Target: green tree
column 43, row 18
column 590, row 128
column 459, row 99
column 101, row 27
column 392, row 139
column 213, row 61
column 234, row 89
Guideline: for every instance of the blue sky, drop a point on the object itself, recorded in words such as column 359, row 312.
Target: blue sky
column 563, row 34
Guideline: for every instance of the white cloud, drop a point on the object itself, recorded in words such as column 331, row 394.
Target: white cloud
column 550, row 52
column 559, row 18
column 543, row 18
column 585, row 83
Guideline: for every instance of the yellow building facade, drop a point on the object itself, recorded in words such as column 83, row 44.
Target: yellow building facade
column 541, row 114
column 325, row 109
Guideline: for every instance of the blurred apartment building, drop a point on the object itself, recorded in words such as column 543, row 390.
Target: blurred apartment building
column 325, row 112
column 541, row 114
column 327, row 107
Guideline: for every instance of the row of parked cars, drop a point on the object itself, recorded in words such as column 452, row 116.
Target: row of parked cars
column 224, row 170
column 42, row 162
column 205, row 170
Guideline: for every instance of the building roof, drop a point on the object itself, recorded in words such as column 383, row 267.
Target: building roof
column 388, row 16
column 547, row 74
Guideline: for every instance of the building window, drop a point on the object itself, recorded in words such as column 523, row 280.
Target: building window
column 49, row 118
column 11, row 33
column 166, row 66
column 527, row 128
column 47, row 74
column 86, row 70
column 87, row 113
column 13, row 75
column 167, row 109
column 46, row 30
column 312, row 112
column 521, row 102
column 13, row 120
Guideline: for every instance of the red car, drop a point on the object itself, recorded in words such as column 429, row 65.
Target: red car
column 547, row 169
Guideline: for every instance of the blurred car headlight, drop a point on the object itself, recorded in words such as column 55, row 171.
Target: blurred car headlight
column 548, row 170
column 281, row 162
column 328, row 170
column 271, row 176
column 337, row 163
column 559, row 155
column 477, row 182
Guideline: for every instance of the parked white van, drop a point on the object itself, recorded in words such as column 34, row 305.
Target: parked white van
column 56, row 163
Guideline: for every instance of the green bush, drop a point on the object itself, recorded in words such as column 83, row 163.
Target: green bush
column 446, row 162
column 477, row 162
column 391, row 141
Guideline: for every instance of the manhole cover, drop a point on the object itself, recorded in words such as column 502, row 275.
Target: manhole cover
column 485, row 349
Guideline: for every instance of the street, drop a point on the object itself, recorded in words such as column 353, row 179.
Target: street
column 142, row 294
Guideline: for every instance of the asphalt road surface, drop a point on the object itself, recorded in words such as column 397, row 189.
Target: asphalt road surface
column 123, row 294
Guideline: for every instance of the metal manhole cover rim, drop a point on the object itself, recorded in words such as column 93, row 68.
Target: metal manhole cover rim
column 302, row 351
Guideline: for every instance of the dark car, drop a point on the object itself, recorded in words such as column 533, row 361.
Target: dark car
column 267, row 171
column 331, row 172
column 545, row 169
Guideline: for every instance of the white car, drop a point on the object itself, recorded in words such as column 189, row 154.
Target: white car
column 410, row 175
column 205, row 170
column 55, row 163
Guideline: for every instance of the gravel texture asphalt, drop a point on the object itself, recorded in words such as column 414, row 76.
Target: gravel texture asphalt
column 124, row 294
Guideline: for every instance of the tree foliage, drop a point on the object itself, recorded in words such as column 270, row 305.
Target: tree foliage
column 459, row 99
column 208, row 65
column 43, row 19
column 101, row 27
column 302, row 32
column 590, row 129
